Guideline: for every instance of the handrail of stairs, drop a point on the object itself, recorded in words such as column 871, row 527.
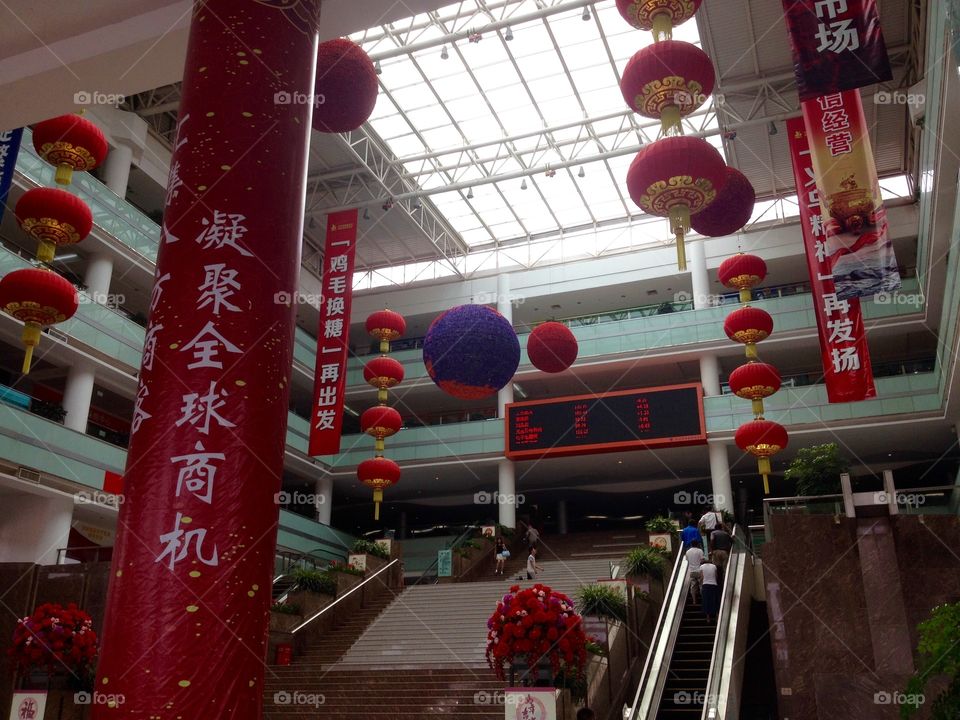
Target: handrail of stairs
column 347, row 594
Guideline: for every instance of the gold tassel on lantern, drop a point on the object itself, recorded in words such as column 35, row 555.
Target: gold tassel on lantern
column 662, row 27
column 680, row 224
column 377, row 499
column 763, row 465
column 31, row 338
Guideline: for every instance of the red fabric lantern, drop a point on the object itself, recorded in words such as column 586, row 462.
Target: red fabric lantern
column 70, row 143
column 380, row 422
column 346, row 87
column 378, row 473
column 755, row 381
column 54, row 218
column 676, row 177
column 742, row 272
column 38, row 298
column 383, row 373
column 668, row 80
column 748, row 325
column 762, row 439
column 386, row 325
column 552, row 347
column 658, row 15
column 732, row 209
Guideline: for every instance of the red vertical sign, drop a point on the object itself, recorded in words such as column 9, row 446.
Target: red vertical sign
column 843, row 341
column 333, row 333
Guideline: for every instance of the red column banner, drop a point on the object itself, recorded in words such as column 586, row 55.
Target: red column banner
column 843, row 341
column 333, row 333
column 837, row 45
column 188, row 605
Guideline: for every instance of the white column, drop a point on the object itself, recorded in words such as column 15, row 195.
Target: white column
column 710, row 374
column 34, row 527
column 324, row 499
column 720, row 476
column 562, row 517
column 505, row 308
column 116, row 169
column 507, row 489
column 77, row 396
column 97, row 277
column 697, row 262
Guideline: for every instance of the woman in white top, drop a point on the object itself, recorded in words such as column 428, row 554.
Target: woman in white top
column 710, row 588
column 694, row 560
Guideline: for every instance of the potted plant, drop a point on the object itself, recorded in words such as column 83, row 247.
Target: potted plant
column 367, row 555
column 816, row 470
column 345, row 576
column 602, row 600
column 661, row 530
column 312, row 591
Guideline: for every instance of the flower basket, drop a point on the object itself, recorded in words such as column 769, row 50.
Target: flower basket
column 58, row 641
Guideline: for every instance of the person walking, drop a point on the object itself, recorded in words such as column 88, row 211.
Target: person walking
column 501, row 554
column 532, row 535
column 709, row 522
column 720, row 545
column 532, row 567
column 694, row 560
column 710, row 588
column 689, row 534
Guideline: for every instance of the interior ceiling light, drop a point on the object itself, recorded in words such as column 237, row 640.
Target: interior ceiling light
column 444, row 54
column 582, row 173
column 470, row 194
column 508, row 36
column 523, row 185
column 377, row 68
column 366, row 214
column 772, row 128
column 586, row 14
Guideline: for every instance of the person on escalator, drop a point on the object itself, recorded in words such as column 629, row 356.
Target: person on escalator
column 711, row 520
column 694, row 560
column 710, row 589
column 720, row 545
column 689, row 534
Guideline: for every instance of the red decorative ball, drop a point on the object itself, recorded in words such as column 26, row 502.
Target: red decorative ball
column 754, row 381
column 383, row 372
column 378, row 472
column 748, row 325
column 742, row 271
column 346, row 87
column 38, row 296
column 386, row 325
column 70, row 142
column 761, row 438
column 53, row 217
column 552, row 347
column 380, row 421
column 732, row 209
column 667, row 73
column 640, row 13
column 673, row 172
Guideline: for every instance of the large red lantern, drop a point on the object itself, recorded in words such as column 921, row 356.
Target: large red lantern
column 755, row 381
column 732, row 209
column 748, row 325
column 743, row 272
column 762, row 439
column 346, row 87
column 383, row 373
column 676, row 177
column 660, row 16
column 668, row 80
column 38, row 298
column 54, row 218
column 380, row 422
column 386, row 325
column 69, row 142
column 378, row 473
column 552, row 347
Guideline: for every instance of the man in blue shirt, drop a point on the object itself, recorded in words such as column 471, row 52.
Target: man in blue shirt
column 689, row 533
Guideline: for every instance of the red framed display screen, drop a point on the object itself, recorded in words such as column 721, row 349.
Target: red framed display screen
column 625, row 420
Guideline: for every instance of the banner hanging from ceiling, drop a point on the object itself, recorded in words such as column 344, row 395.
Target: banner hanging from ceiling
column 862, row 259
column 837, row 45
column 333, row 333
column 843, row 340
column 9, row 149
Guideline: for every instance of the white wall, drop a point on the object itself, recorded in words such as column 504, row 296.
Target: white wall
column 33, row 527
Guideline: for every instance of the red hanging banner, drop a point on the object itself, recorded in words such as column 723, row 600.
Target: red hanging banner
column 837, row 45
column 333, row 334
column 843, row 341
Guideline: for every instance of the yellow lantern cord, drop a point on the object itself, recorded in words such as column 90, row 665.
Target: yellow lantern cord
column 31, row 338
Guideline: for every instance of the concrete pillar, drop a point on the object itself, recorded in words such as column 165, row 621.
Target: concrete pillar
column 710, row 374
column 402, row 529
column 77, row 396
column 324, row 499
column 97, row 277
column 116, row 169
column 505, row 308
column 562, row 517
column 507, row 490
column 720, row 476
column 698, row 274
column 34, row 527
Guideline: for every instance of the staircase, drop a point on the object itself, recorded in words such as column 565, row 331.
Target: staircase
column 684, row 693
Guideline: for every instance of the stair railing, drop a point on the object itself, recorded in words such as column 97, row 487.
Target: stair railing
column 347, row 594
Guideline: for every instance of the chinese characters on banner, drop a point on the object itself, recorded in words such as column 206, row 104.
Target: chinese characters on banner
column 333, row 333
column 837, row 45
column 9, row 149
column 843, row 342
column 862, row 260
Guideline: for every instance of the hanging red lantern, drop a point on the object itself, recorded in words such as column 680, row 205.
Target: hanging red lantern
column 383, row 373
column 346, row 88
column 69, row 142
column 378, row 473
column 748, row 325
column 552, row 347
column 676, row 177
column 668, row 80
column 743, row 272
column 762, row 439
column 54, row 218
column 755, row 381
column 660, row 16
column 380, row 422
column 38, row 298
column 386, row 325
column 731, row 210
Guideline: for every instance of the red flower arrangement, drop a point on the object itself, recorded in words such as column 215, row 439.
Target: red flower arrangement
column 535, row 623
column 55, row 638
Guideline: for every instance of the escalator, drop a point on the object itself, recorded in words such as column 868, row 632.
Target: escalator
column 689, row 670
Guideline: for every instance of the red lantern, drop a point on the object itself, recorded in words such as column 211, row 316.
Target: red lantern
column 386, row 325
column 38, row 298
column 755, row 381
column 742, row 272
column 658, row 15
column 668, row 80
column 346, row 88
column 748, row 325
column 54, row 218
column 676, row 177
column 378, row 473
column 383, row 373
column 70, row 143
column 732, row 209
column 762, row 439
column 380, row 422
column 551, row 347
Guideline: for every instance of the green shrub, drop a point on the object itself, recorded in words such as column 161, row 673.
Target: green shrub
column 315, row 581
column 661, row 525
column 368, row 547
column 816, row 470
column 285, row 609
column 602, row 600
column 507, row 532
column 646, row 560
column 939, row 655
column 344, row 568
